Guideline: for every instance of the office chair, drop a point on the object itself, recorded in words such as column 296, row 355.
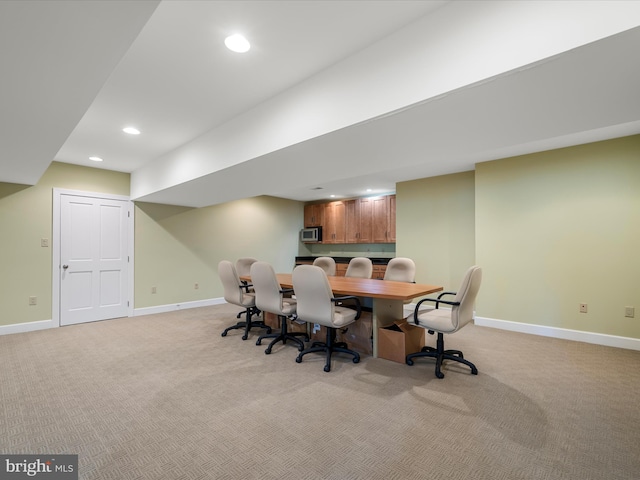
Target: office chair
column 235, row 292
column 243, row 268
column 328, row 264
column 448, row 320
column 316, row 304
column 359, row 267
column 401, row 269
column 271, row 298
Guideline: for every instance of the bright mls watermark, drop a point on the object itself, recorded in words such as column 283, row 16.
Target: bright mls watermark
column 46, row 467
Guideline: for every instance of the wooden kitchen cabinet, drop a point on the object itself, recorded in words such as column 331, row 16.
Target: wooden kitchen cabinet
column 359, row 220
column 314, row 215
column 334, row 229
column 384, row 219
column 378, row 272
column 352, row 221
column 341, row 269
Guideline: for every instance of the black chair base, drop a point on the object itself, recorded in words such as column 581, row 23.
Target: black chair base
column 329, row 347
column 282, row 336
column 248, row 324
column 440, row 354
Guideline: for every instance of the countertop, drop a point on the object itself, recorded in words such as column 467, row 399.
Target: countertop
column 374, row 260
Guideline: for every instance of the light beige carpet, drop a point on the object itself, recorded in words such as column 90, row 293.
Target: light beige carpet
column 166, row 397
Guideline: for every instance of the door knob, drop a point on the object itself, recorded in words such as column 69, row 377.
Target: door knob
column 65, row 266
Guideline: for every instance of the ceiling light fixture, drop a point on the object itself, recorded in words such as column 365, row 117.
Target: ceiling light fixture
column 95, row 159
column 131, row 131
column 237, row 43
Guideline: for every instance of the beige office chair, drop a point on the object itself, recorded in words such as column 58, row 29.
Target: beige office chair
column 327, row 264
column 448, row 320
column 270, row 297
column 316, row 304
column 359, row 267
column 235, row 292
column 401, row 269
column 243, row 268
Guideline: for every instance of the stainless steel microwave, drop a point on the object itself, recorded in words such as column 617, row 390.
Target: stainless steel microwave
column 311, row 235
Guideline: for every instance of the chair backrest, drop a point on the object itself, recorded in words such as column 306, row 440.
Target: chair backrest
column 400, row 269
column 233, row 290
column 328, row 264
column 359, row 267
column 313, row 294
column 463, row 314
column 243, row 266
column 267, row 288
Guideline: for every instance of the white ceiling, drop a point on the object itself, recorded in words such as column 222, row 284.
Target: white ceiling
column 339, row 95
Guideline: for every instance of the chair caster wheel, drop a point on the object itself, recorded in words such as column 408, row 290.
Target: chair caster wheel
column 301, row 348
column 258, row 342
column 439, row 374
column 327, row 368
column 224, row 334
column 356, row 360
column 267, row 351
column 244, row 337
column 409, row 361
column 298, row 360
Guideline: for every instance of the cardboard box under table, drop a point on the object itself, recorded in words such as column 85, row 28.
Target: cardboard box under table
column 398, row 340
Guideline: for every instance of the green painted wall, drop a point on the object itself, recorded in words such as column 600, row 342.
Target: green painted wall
column 435, row 226
column 559, row 228
column 177, row 247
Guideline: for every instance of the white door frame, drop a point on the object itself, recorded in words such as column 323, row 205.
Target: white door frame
column 55, row 245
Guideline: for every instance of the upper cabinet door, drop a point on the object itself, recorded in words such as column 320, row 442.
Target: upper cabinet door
column 314, row 215
column 352, row 221
column 384, row 219
column 334, row 230
column 392, row 219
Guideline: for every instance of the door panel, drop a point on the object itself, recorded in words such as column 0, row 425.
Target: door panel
column 93, row 258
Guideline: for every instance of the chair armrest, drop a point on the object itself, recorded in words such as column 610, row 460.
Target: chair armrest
column 350, row 297
column 437, row 301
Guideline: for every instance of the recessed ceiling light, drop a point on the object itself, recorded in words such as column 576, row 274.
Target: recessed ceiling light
column 237, row 43
column 131, row 131
column 332, row 196
column 95, row 159
column 369, row 190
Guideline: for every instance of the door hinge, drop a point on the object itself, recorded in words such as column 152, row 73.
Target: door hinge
column 128, row 214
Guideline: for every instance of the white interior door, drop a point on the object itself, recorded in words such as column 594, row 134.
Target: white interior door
column 94, row 259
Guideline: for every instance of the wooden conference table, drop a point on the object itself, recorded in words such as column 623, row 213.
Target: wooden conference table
column 388, row 297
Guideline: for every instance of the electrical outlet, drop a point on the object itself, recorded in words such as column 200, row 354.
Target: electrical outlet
column 33, row 300
column 196, row 286
column 153, row 289
column 44, row 242
column 583, row 308
column 629, row 312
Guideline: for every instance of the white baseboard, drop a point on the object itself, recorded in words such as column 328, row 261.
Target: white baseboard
column 177, row 306
column 562, row 333
column 26, row 327
column 45, row 324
